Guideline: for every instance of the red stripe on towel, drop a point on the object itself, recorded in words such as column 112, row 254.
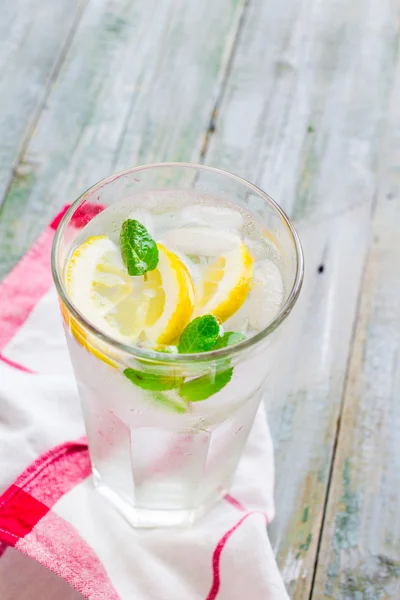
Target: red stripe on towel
column 15, row 365
column 216, row 559
column 24, row 287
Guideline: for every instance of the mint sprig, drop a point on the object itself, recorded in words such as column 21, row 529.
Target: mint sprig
column 228, row 339
column 205, row 386
column 138, row 249
column 171, row 404
column 200, row 335
column 153, row 382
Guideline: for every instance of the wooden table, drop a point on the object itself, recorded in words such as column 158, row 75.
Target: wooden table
column 301, row 97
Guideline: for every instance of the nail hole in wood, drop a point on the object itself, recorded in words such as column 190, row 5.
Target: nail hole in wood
column 321, row 269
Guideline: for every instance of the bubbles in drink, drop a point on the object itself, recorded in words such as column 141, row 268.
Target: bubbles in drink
column 165, row 437
column 205, row 232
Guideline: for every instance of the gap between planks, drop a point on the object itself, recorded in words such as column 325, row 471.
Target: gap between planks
column 355, row 332
column 82, row 4
column 99, row 85
column 214, row 114
column 338, row 424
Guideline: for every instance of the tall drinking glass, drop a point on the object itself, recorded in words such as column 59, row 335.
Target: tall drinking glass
column 159, row 460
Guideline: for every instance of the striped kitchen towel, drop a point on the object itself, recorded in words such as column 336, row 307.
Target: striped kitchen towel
column 49, row 510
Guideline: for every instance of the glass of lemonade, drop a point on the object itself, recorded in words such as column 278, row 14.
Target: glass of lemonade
column 173, row 281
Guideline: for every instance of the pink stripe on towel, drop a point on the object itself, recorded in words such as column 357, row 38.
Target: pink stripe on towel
column 24, row 287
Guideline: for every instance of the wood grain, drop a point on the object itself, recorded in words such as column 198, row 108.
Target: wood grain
column 296, row 93
column 303, row 109
column 360, row 549
column 302, row 116
column 33, row 38
column 138, row 83
column 168, row 121
column 305, row 402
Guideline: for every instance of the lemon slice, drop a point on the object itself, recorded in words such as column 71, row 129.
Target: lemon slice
column 85, row 339
column 97, row 281
column 172, row 301
column 226, row 284
column 153, row 308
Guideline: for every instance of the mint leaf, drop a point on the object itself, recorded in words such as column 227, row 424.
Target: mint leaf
column 164, row 399
column 150, row 381
column 228, row 339
column 138, row 249
column 203, row 387
column 199, row 335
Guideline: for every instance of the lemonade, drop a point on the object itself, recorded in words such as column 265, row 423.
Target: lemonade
column 166, row 294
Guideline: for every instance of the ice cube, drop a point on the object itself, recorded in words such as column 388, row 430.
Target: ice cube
column 201, row 241
column 144, row 218
column 267, row 272
column 266, row 295
column 195, row 269
column 165, row 221
column 212, row 216
column 263, row 302
column 239, row 321
column 260, row 248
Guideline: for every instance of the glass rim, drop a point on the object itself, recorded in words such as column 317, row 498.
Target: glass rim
column 161, row 357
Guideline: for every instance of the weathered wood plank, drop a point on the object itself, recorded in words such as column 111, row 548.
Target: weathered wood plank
column 33, row 37
column 169, row 121
column 148, row 68
column 302, row 116
column 303, row 110
column 360, row 549
column 304, row 402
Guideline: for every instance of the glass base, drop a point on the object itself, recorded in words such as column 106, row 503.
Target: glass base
column 148, row 518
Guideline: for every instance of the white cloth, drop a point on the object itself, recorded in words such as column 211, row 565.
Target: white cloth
column 226, row 555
